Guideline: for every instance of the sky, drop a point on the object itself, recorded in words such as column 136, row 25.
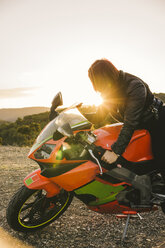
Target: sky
column 47, row 46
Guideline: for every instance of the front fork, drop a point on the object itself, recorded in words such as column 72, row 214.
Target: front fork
column 36, row 181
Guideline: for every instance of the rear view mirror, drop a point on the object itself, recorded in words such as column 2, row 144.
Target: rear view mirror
column 57, row 101
column 65, row 130
column 62, row 131
column 57, row 135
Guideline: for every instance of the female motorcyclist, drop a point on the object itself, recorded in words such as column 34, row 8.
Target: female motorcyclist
column 128, row 99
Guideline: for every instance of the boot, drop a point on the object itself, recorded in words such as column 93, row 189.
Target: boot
column 142, row 183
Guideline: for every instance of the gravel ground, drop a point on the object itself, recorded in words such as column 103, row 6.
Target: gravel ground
column 78, row 227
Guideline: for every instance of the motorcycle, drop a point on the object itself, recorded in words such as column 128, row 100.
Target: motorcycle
column 68, row 152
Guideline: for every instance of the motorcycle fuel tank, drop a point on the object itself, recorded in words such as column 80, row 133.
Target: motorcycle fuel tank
column 138, row 149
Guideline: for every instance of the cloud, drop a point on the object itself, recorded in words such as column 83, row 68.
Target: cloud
column 16, row 92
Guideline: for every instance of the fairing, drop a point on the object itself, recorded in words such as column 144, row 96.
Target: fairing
column 36, row 181
column 74, row 172
column 139, row 148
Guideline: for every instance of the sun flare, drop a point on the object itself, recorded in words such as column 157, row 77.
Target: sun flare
column 94, row 99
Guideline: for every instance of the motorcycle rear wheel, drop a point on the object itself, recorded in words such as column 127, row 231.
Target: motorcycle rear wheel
column 30, row 210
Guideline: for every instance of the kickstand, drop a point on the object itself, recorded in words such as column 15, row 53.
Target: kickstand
column 125, row 228
column 127, row 214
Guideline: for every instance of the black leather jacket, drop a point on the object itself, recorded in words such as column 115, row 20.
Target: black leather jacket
column 134, row 111
column 134, row 106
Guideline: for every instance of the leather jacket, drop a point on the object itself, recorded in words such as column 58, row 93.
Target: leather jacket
column 133, row 108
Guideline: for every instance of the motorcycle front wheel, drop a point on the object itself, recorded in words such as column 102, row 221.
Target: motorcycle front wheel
column 30, row 210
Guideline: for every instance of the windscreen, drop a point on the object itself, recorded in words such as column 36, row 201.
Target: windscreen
column 71, row 116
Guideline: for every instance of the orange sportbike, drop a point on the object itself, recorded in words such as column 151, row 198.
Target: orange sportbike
column 69, row 153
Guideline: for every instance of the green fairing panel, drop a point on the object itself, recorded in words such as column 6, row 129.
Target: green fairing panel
column 103, row 192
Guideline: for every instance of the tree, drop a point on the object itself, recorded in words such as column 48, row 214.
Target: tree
column 35, row 127
column 24, row 129
column 19, row 121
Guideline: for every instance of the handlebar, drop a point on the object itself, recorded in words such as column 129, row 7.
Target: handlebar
column 88, row 143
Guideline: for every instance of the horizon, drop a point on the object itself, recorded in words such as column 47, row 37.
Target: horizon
column 62, row 106
column 42, row 56
column 26, row 107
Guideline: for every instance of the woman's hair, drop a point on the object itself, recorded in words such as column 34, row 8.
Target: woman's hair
column 101, row 73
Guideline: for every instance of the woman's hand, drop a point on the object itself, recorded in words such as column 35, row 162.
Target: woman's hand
column 109, row 157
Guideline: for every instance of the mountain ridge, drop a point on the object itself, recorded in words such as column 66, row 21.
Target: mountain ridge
column 12, row 114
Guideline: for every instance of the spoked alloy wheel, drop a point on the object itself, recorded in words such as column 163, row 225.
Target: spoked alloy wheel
column 30, row 210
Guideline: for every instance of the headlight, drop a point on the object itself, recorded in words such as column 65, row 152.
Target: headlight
column 72, row 151
column 44, row 151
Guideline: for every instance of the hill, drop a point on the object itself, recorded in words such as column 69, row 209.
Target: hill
column 24, row 130
column 161, row 96
column 11, row 114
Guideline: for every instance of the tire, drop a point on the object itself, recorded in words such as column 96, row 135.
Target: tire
column 30, row 210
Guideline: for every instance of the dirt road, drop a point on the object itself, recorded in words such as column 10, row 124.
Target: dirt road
column 78, row 227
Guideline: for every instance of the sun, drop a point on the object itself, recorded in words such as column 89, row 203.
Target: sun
column 94, row 99
column 97, row 99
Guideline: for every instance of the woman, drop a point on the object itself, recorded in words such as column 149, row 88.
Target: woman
column 128, row 99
